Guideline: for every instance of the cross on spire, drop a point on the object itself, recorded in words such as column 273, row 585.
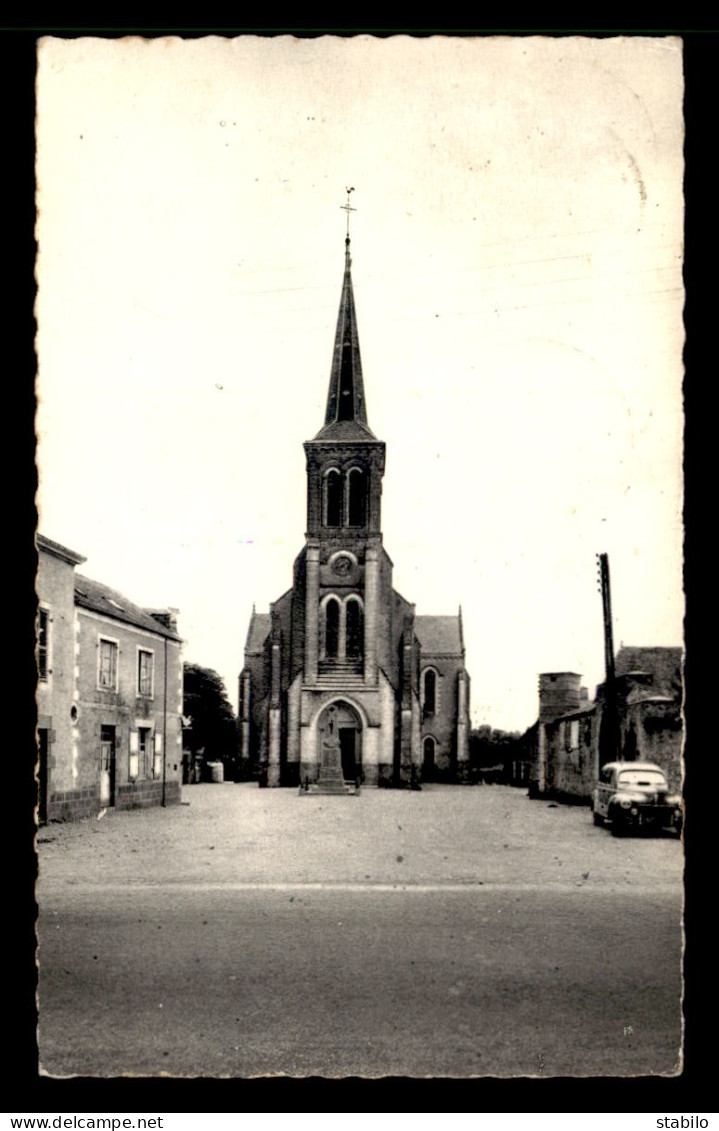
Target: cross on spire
column 347, row 208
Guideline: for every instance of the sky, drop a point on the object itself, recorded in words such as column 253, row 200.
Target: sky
column 517, row 270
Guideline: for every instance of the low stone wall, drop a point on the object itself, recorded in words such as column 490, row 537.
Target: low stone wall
column 144, row 794
column 74, row 804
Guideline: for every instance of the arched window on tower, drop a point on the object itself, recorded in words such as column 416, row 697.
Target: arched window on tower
column 356, row 497
column 429, row 698
column 332, row 628
column 355, row 628
column 333, row 498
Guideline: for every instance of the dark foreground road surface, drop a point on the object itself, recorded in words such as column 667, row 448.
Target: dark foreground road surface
column 448, row 933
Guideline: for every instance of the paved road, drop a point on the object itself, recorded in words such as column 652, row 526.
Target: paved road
column 452, row 932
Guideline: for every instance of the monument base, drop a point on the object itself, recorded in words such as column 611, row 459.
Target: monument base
column 339, row 789
column 330, row 779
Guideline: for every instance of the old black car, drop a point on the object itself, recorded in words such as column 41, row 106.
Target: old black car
column 631, row 796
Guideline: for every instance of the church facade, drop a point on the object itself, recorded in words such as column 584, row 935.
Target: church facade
column 341, row 678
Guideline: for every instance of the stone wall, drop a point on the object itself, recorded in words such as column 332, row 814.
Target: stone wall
column 74, row 804
column 55, row 693
column 653, row 732
column 144, row 794
column 571, row 752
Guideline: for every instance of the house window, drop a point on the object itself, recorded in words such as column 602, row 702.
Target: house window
column 144, row 752
column 43, row 641
column 107, row 665
column 144, row 672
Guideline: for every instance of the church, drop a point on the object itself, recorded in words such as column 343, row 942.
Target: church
column 343, row 683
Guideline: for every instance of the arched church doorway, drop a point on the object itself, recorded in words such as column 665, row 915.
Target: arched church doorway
column 340, row 740
column 428, row 759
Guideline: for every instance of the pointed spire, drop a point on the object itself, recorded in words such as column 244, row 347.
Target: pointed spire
column 345, row 398
column 346, row 409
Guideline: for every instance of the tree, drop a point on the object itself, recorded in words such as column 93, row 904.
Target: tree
column 491, row 752
column 213, row 727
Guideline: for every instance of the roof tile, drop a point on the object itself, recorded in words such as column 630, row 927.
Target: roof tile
column 101, row 598
column 439, row 635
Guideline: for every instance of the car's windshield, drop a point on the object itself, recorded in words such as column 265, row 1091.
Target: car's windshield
column 642, row 777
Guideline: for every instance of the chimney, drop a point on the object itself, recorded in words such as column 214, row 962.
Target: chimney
column 559, row 694
column 166, row 617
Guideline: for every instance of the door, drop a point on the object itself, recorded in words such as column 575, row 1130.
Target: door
column 42, row 777
column 339, row 741
column 347, row 753
column 428, row 759
column 107, row 765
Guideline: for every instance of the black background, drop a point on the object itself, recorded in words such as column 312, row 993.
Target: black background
column 25, row 1090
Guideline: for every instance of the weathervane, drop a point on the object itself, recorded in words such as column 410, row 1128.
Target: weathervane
column 347, row 208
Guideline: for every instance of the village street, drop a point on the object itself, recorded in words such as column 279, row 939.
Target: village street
column 448, row 932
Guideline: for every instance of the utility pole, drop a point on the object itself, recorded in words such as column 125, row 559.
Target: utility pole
column 609, row 748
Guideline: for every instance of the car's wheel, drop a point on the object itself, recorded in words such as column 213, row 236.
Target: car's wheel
column 618, row 823
column 598, row 819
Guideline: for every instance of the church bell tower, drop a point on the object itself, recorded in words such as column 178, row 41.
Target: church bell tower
column 345, row 465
